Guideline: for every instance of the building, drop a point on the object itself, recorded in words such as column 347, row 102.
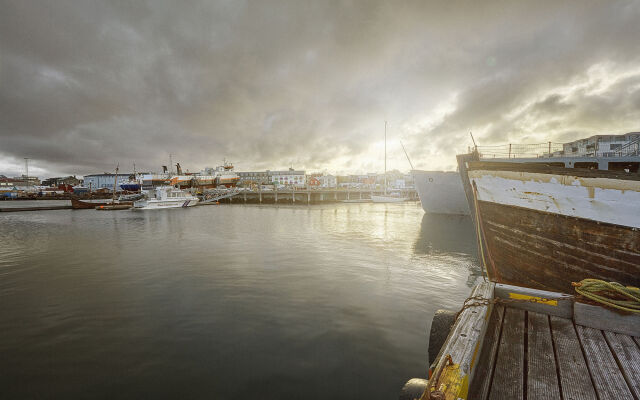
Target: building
column 288, row 178
column 328, row 181
column 253, row 178
column 282, row 178
column 604, row 145
column 105, row 181
column 19, row 181
column 55, row 182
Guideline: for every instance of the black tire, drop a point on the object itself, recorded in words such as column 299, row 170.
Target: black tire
column 413, row 389
column 441, row 325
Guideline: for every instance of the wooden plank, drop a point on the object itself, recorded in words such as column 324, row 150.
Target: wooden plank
column 561, row 305
column 575, row 382
column 508, row 377
column 542, row 378
column 482, row 381
column 601, row 318
column 627, row 353
column 463, row 345
column 607, row 377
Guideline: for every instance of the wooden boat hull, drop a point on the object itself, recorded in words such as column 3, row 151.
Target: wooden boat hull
column 77, row 204
column 545, row 228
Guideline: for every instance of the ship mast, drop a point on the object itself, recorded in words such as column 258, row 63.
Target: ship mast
column 385, row 158
column 115, row 184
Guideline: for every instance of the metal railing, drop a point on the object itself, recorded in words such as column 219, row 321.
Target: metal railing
column 553, row 150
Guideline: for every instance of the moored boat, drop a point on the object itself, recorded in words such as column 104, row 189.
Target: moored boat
column 544, row 227
column 165, row 197
column 441, row 192
column 78, row 204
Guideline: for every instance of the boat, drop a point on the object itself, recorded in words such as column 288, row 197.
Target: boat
column 107, row 204
column 165, row 197
column 441, row 192
column 543, row 226
column 386, row 198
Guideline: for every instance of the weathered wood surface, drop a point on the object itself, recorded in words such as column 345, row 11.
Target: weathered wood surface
column 463, row 345
column 508, row 380
column 552, row 170
column 542, row 377
column 560, row 304
column 607, row 377
column 604, row 319
column 575, row 381
column 627, row 353
column 484, row 373
column 548, row 251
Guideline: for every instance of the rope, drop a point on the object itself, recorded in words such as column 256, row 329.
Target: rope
column 612, row 294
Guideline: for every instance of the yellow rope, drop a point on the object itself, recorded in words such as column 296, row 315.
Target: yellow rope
column 610, row 294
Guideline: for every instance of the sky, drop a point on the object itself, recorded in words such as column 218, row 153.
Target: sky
column 87, row 85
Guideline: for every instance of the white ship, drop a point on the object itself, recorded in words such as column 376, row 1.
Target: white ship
column 165, row 197
column 441, row 192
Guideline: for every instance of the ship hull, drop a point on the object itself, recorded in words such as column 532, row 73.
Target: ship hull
column 441, row 192
column 545, row 229
column 160, row 204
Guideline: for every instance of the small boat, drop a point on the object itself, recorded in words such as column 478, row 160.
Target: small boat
column 165, row 197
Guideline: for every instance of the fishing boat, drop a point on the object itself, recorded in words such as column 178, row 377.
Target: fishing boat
column 387, row 198
column 544, row 227
column 105, row 204
column 165, row 197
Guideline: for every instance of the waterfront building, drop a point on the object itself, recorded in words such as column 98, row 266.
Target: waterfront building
column 281, row 178
column 602, row 145
column 253, row 178
column 105, row 181
column 328, row 181
column 19, row 181
column 67, row 180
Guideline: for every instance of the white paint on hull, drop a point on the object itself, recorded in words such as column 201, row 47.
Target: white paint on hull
column 441, row 192
column 159, row 204
column 614, row 201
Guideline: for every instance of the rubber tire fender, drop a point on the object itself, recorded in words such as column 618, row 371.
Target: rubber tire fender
column 413, row 389
column 441, row 325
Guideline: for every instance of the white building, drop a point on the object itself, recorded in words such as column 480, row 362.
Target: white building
column 601, row 145
column 288, row 178
column 327, row 181
column 100, row 181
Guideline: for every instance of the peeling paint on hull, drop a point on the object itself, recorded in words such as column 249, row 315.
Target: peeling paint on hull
column 546, row 230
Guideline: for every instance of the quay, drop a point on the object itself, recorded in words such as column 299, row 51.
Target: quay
column 45, row 208
column 311, row 196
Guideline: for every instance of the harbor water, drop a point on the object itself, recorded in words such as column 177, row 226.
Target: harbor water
column 329, row 301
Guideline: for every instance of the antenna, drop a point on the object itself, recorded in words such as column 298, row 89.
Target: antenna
column 26, row 167
column 473, row 140
column 170, row 165
column 405, row 153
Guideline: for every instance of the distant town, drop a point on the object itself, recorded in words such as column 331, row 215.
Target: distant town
column 26, row 186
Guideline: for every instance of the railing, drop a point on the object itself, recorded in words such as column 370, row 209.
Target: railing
column 511, row 150
column 551, row 150
column 630, row 149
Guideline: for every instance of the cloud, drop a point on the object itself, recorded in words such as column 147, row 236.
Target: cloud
column 85, row 85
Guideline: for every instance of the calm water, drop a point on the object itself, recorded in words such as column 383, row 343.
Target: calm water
column 225, row 302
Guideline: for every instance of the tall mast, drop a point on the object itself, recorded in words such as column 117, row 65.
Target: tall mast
column 115, row 183
column 385, row 157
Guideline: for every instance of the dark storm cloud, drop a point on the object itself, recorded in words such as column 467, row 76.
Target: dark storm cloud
column 84, row 85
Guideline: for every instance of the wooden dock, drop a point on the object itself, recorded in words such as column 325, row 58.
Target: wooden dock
column 512, row 343
column 530, row 355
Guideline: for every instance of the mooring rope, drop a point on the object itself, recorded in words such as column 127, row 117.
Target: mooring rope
column 612, row 294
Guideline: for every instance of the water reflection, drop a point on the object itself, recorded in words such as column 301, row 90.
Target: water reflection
column 328, row 301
